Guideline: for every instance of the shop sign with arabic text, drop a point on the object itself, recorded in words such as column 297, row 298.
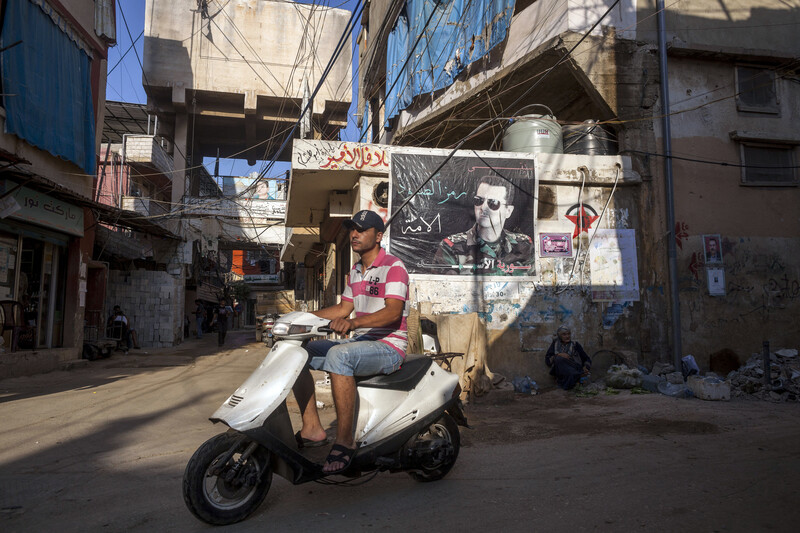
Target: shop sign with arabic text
column 328, row 155
column 46, row 211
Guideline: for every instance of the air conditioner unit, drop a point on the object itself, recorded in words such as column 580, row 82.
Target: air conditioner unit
column 340, row 204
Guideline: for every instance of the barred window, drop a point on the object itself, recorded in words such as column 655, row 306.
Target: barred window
column 756, row 90
column 766, row 164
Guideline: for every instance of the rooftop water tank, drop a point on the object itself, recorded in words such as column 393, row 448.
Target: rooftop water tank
column 589, row 138
column 535, row 134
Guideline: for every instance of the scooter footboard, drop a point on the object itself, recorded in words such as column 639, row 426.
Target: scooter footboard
column 276, row 436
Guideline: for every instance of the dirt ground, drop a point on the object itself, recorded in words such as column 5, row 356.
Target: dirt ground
column 558, row 413
column 104, row 447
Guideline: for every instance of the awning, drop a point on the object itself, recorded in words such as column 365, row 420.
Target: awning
column 299, row 242
column 105, row 214
column 323, row 171
column 127, row 219
column 118, row 245
column 125, row 118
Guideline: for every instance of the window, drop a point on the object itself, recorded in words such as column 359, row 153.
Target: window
column 766, row 164
column 756, row 90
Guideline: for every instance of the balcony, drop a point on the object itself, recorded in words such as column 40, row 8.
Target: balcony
column 145, row 149
column 144, row 206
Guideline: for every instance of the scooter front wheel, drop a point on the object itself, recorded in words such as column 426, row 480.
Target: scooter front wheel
column 223, row 484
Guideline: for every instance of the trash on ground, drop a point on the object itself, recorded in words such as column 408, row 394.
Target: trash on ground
column 709, row 387
column 662, row 368
column 689, row 366
column 622, row 377
column 674, row 390
column 650, row 382
column 525, row 385
column 676, row 378
column 784, row 378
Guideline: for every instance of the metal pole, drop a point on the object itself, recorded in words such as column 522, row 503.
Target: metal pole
column 122, row 170
column 766, row 363
column 102, row 173
column 672, row 253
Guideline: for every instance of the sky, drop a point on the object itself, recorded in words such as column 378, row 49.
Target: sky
column 124, row 81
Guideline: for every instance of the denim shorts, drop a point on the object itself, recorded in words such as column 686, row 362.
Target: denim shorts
column 359, row 356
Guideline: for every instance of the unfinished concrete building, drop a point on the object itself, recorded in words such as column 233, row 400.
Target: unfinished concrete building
column 230, row 79
column 734, row 99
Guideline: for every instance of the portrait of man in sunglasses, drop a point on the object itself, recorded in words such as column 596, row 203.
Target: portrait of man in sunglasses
column 487, row 248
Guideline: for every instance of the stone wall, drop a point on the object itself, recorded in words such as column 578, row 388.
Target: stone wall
column 153, row 301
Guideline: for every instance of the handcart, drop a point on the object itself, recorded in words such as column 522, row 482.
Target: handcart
column 95, row 344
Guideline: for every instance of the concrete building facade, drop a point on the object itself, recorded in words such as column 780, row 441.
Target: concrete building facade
column 519, row 313
column 733, row 104
column 53, row 87
column 231, row 79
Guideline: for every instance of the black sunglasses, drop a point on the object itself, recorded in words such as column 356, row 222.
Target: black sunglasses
column 494, row 205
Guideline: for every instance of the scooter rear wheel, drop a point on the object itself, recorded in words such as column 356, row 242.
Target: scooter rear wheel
column 439, row 464
column 221, row 494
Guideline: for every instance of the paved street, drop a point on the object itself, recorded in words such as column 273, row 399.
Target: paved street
column 103, row 448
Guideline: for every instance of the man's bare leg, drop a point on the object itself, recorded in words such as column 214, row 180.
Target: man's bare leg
column 344, row 398
column 307, row 401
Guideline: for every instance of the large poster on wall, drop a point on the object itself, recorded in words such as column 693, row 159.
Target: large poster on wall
column 475, row 217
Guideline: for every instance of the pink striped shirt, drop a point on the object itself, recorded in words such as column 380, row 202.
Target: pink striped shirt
column 387, row 277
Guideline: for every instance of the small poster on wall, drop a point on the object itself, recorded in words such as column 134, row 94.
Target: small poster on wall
column 716, row 281
column 615, row 274
column 712, row 248
column 555, row 245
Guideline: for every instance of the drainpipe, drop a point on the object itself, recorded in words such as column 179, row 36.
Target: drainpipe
column 672, row 252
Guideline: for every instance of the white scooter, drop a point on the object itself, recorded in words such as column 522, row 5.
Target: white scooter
column 406, row 422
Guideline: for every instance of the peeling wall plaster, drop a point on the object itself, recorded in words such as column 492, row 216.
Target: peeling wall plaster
column 761, row 300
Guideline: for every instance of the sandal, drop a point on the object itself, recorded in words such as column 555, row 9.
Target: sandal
column 303, row 442
column 339, row 454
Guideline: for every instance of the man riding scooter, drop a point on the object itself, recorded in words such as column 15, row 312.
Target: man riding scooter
column 377, row 290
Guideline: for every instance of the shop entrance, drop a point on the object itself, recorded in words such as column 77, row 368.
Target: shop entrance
column 40, row 290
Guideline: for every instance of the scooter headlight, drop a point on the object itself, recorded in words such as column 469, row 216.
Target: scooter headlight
column 281, row 328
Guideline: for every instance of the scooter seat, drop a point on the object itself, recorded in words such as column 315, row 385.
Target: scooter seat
column 405, row 379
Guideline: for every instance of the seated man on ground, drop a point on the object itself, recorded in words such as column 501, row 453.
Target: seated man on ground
column 567, row 359
column 377, row 290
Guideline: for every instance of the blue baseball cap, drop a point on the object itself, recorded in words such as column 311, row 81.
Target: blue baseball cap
column 364, row 220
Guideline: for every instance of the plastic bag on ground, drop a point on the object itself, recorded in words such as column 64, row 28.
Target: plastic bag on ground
column 676, row 391
column 689, row 366
column 525, row 385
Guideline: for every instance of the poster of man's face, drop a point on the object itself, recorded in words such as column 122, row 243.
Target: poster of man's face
column 712, row 248
column 474, row 217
